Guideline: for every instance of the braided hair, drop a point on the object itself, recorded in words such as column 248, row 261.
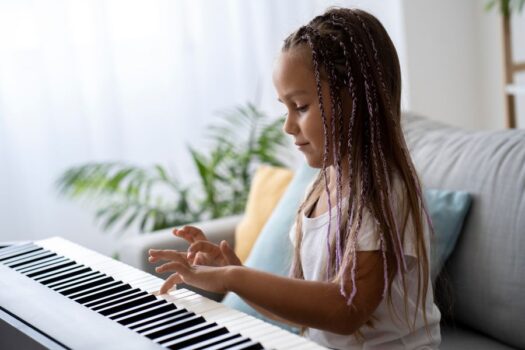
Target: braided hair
column 352, row 51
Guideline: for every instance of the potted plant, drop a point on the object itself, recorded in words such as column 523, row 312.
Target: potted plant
column 153, row 198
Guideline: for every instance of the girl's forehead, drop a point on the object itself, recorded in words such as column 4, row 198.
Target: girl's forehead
column 291, row 71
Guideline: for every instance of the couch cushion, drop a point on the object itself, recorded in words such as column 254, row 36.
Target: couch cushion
column 267, row 187
column 486, row 269
column 454, row 338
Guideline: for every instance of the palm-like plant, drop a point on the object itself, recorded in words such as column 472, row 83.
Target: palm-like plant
column 153, row 199
column 506, row 7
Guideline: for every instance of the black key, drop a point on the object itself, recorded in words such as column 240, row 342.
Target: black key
column 136, row 309
column 183, row 333
column 126, row 305
column 164, row 318
column 94, row 289
column 20, row 253
column 175, row 327
column 229, row 343
column 12, row 251
column 15, row 248
column 75, row 279
column 63, row 275
column 137, row 293
column 40, row 264
column 105, row 295
column 163, row 322
column 157, row 311
column 86, row 285
column 198, row 337
column 218, row 340
column 252, row 345
column 56, row 267
column 44, row 277
column 28, row 260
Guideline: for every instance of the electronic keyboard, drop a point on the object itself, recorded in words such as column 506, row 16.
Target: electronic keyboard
column 55, row 294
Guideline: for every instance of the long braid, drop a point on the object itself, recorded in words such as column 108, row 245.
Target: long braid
column 352, row 206
column 354, row 109
column 403, row 147
column 379, row 134
column 336, row 123
column 389, row 109
column 373, row 111
column 358, row 51
column 317, row 73
column 363, row 193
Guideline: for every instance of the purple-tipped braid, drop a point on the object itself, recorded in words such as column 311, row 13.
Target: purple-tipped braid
column 387, row 96
column 369, row 92
column 317, row 73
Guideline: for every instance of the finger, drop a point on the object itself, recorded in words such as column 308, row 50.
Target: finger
column 184, row 235
column 165, row 254
column 174, row 266
column 199, row 259
column 229, row 254
column 191, row 234
column 170, row 282
column 203, row 247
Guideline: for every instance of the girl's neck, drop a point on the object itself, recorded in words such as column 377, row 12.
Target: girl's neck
column 331, row 172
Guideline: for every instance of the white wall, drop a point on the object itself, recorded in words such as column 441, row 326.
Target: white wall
column 455, row 62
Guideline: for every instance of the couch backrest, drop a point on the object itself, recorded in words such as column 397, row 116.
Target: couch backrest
column 487, row 268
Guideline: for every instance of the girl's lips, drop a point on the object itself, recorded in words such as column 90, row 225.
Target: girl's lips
column 301, row 145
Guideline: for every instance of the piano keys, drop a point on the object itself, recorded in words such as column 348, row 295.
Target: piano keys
column 56, row 294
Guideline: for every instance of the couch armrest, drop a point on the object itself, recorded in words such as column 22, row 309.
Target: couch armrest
column 134, row 250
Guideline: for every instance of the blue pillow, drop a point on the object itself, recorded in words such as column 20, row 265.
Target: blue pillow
column 447, row 210
column 272, row 251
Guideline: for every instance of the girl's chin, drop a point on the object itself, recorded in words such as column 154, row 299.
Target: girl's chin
column 313, row 163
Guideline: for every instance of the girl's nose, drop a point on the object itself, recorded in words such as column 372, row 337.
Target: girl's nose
column 289, row 126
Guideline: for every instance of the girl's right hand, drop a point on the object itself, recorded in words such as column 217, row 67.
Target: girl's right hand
column 203, row 252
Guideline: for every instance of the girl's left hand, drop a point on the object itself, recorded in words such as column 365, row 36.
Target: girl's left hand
column 212, row 279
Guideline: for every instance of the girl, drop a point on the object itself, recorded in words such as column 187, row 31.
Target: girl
column 360, row 272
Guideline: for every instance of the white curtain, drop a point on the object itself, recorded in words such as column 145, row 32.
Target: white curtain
column 124, row 80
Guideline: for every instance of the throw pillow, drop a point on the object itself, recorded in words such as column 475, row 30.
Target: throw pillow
column 447, row 210
column 268, row 185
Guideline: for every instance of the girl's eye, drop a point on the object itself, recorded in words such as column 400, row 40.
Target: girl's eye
column 302, row 109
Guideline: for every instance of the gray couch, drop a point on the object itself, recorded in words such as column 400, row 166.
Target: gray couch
column 481, row 290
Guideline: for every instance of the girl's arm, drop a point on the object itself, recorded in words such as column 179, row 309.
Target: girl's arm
column 313, row 304
column 308, row 303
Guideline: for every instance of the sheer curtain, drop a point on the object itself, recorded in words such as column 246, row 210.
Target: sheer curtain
column 125, row 80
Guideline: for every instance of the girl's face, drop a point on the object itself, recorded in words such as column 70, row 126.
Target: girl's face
column 295, row 84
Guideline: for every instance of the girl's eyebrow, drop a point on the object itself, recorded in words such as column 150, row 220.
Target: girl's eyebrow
column 293, row 93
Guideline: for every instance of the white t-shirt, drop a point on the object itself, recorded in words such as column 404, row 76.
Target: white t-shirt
column 387, row 333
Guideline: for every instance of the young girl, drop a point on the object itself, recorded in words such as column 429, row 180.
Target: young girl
column 360, row 272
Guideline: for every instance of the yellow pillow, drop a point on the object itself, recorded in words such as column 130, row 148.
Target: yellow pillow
column 268, row 185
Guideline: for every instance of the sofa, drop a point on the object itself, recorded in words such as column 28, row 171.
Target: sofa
column 481, row 289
